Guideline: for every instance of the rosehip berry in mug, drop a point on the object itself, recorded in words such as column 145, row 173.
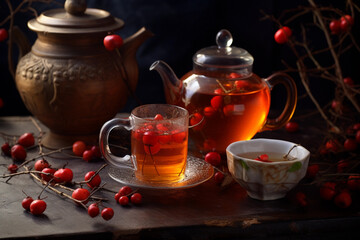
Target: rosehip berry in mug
column 348, row 81
column 26, row 202
column 88, row 155
column 158, row 117
column 312, row 170
column 213, row 158
column 136, row 198
column 37, row 207
column 49, row 174
column 350, row 144
column 264, row 157
column 327, row 191
column 178, row 136
column 81, row 194
column 78, row 148
column 5, row 148
column 335, row 27
column 107, row 213
column 124, row 200
column 282, row 35
column 12, row 168
column 95, row 182
column 63, row 175
column 218, row 91
column 292, row 127
column 111, row 42
column 26, row 140
column 229, row 110
column 234, row 75
column 93, row 210
column 353, row 182
column 18, row 152
column 164, row 138
column 241, row 84
column 343, row 200
column 219, row 177
column 3, row 34
column 150, row 138
column 152, row 150
column 41, row 164
column 125, row 190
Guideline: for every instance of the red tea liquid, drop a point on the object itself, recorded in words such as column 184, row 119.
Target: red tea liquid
column 232, row 111
column 161, row 156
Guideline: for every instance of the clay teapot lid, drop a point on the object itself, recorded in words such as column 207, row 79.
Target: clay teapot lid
column 75, row 18
column 223, row 56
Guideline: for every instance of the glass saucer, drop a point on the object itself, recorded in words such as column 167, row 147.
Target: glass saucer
column 197, row 171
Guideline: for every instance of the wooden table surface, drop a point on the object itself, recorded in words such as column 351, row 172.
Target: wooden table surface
column 206, row 211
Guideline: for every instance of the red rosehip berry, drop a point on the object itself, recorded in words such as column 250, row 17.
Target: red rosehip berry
column 152, row 150
column 357, row 136
column 282, row 35
column 107, row 213
column 81, row 194
column 348, row 81
column 150, row 138
column 136, row 198
column 241, row 84
column 125, row 190
column 5, row 148
column 95, row 182
column 124, row 200
column 12, row 168
column 93, row 210
column 219, row 177
column 78, row 148
column 41, row 164
column 213, row 158
column 18, row 152
column 343, row 200
column 63, row 175
column 229, row 110
column 312, row 171
column 197, row 120
column 327, row 191
column 263, row 158
column 350, row 144
column 88, row 155
column 292, row 127
column 333, row 145
column 96, row 152
column 353, row 182
column 335, row 27
column 158, row 117
column 301, row 199
column 1, row 102
column 26, row 140
column 3, row 34
column 37, row 207
column 26, row 202
column 178, row 136
column 117, row 197
column 216, row 102
column 346, row 22
column 112, row 42
column 209, row 111
column 47, row 174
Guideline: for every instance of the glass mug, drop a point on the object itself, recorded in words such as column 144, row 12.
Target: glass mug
column 159, row 142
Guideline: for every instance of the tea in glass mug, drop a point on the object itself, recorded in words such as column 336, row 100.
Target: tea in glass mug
column 159, row 142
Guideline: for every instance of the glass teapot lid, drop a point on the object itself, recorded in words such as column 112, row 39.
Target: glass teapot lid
column 223, row 57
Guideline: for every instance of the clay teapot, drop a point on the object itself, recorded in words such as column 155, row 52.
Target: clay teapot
column 226, row 100
column 68, row 80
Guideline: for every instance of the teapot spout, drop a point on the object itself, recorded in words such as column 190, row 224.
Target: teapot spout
column 172, row 85
column 128, row 53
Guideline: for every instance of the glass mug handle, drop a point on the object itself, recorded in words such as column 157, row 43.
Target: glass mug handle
column 291, row 100
column 120, row 162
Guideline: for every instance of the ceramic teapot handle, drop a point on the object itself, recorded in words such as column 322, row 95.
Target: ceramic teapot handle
column 120, row 162
column 285, row 116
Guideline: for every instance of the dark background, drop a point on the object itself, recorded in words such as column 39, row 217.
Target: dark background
column 183, row 27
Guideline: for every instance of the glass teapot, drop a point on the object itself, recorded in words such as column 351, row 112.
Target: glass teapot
column 226, row 101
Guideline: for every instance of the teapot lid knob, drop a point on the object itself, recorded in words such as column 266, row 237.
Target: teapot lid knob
column 224, row 38
column 75, row 7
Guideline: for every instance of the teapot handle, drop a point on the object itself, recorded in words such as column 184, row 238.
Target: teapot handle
column 289, row 109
